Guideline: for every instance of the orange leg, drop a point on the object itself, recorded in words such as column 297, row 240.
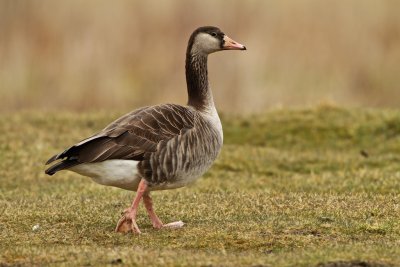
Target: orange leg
column 148, row 203
column 128, row 221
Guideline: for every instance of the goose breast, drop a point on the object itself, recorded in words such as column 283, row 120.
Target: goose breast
column 184, row 158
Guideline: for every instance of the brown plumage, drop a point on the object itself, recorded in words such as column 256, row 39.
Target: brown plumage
column 129, row 137
column 159, row 147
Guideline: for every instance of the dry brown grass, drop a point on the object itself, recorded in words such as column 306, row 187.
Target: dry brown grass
column 101, row 54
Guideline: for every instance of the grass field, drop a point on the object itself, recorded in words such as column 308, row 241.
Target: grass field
column 290, row 188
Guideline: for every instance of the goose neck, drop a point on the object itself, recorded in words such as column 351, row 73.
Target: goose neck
column 199, row 93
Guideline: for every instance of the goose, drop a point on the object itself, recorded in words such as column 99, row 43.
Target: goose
column 158, row 147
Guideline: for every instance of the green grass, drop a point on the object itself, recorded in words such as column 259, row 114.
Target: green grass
column 290, row 188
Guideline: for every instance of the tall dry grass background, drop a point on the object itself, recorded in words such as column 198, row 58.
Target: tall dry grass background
column 97, row 54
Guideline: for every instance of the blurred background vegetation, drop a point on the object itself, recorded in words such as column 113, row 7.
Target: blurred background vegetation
column 100, row 55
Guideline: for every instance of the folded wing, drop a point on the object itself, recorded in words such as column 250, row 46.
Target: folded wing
column 129, row 137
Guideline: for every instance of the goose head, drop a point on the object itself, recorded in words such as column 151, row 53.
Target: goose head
column 209, row 39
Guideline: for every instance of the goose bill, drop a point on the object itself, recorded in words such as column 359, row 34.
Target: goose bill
column 230, row 44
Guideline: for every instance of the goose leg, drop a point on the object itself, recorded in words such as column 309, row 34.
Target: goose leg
column 128, row 220
column 157, row 223
column 148, row 203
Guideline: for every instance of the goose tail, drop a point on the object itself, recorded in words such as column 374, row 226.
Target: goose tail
column 62, row 165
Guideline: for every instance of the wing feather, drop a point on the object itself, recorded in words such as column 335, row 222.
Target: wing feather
column 132, row 135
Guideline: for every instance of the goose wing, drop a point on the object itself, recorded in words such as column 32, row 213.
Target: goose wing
column 129, row 137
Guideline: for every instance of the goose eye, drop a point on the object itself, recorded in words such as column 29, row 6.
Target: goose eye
column 214, row 34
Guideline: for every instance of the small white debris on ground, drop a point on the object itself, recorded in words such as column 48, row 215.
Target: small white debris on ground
column 35, row 227
column 174, row 225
